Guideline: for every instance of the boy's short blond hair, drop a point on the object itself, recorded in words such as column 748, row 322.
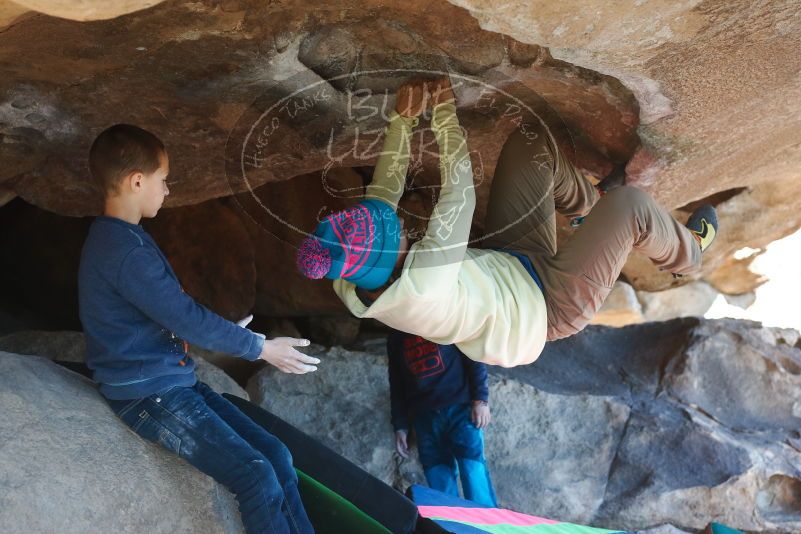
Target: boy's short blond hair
column 120, row 150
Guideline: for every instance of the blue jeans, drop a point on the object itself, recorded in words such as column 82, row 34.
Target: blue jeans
column 206, row 430
column 446, row 438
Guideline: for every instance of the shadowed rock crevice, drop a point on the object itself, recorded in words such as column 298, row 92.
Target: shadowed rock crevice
column 616, row 362
column 670, row 438
column 714, row 199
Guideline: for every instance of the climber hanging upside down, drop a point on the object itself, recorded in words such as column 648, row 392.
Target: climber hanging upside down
column 501, row 302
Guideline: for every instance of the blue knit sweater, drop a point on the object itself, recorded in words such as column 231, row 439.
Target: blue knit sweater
column 426, row 376
column 136, row 316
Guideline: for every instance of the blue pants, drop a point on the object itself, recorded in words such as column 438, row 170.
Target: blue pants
column 206, row 430
column 446, row 438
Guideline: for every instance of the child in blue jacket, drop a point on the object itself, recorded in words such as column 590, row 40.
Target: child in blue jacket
column 136, row 317
column 446, row 394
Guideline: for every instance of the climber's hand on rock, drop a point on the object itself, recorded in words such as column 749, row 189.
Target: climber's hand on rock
column 281, row 353
column 480, row 414
column 401, row 443
column 410, row 99
column 441, row 91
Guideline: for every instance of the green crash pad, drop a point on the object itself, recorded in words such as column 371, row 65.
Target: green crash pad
column 330, row 513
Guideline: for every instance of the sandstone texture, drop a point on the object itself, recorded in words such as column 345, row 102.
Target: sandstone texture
column 701, row 98
column 620, row 308
column 626, row 306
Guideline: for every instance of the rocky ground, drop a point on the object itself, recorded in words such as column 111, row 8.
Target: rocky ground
column 679, row 423
column 69, row 465
column 659, row 426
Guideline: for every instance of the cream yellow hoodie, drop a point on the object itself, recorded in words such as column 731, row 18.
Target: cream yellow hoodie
column 484, row 301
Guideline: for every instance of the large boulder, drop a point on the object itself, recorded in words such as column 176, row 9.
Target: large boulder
column 620, row 308
column 670, row 88
column 211, row 69
column 626, row 306
column 42, row 273
column 71, row 347
column 690, row 300
column 676, row 423
column 70, row 466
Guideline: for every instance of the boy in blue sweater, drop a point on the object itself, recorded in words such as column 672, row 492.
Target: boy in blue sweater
column 447, row 395
column 137, row 321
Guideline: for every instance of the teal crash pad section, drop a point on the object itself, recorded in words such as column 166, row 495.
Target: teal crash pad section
column 717, row 528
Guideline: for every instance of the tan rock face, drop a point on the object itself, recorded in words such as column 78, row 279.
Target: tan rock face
column 620, row 308
column 624, row 306
column 87, row 9
column 192, row 73
column 718, row 84
column 700, row 98
column 11, row 13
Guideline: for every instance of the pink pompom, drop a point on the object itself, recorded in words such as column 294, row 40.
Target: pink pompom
column 313, row 259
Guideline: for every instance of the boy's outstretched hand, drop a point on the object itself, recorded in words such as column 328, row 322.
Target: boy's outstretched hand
column 281, row 353
column 410, row 99
column 480, row 414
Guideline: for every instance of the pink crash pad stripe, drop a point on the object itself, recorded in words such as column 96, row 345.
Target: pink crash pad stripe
column 484, row 516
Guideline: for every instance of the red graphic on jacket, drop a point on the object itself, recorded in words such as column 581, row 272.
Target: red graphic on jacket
column 422, row 357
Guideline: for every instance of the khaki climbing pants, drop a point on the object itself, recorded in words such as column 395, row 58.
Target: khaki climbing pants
column 532, row 181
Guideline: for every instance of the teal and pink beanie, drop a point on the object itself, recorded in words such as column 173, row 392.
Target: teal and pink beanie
column 359, row 244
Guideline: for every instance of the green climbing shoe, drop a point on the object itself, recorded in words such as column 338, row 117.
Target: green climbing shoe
column 704, row 224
